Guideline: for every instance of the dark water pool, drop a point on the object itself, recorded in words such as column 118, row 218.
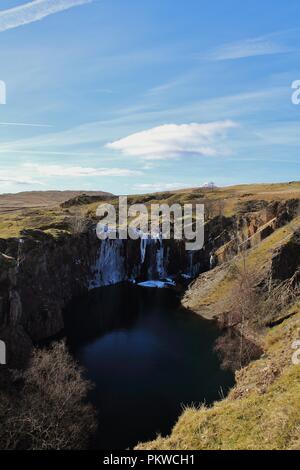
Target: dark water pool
column 147, row 357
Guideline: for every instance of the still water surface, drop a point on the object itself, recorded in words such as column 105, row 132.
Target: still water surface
column 147, row 358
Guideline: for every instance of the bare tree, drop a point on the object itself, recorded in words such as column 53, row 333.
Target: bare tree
column 213, row 208
column 209, row 209
column 238, row 344
column 77, row 224
column 49, row 411
column 220, row 203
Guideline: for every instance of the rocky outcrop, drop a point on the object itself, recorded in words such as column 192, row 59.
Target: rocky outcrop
column 286, row 261
column 275, row 258
column 18, row 343
column 83, row 199
column 40, row 273
column 251, row 228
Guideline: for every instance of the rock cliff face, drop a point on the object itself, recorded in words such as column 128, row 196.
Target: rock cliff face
column 286, row 260
column 41, row 273
column 254, row 222
column 270, row 386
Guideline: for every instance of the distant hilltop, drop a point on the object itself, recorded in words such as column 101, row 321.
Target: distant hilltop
column 29, row 199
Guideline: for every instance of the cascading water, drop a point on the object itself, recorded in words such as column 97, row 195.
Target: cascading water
column 110, row 266
column 193, row 266
column 144, row 259
column 160, row 259
column 144, row 243
column 156, row 259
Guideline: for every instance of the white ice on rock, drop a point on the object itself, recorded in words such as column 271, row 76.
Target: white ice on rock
column 194, row 268
column 160, row 260
column 110, row 266
column 144, row 244
column 157, row 284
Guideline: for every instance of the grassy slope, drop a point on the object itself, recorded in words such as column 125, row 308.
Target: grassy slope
column 207, row 293
column 263, row 410
column 25, row 199
column 21, row 211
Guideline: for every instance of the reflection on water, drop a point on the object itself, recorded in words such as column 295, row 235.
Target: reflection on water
column 147, row 358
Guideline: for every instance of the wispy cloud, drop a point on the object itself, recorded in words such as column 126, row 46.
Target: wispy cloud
column 18, row 181
column 89, row 139
column 150, row 187
column 172, row 140
column 181, row 80
column 107, row 91
column 34, row 11
column 280, row 134
column 9, row 177
column 164, row 87
column 35, row 174
column 77, row 171
column 275, row 43
column 24, row 124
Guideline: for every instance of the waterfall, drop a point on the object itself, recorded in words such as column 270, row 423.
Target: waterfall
column 144, row 259
column 160, row 259
column 143, row 247
column 110, row 265
column 157, row 264
column 193, row 267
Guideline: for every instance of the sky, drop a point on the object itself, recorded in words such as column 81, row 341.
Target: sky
column 133, row 96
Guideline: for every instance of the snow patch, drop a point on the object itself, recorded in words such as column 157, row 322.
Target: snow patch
column 157, row 284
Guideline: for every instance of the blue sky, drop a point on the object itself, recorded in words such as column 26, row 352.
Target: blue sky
column 132, row 96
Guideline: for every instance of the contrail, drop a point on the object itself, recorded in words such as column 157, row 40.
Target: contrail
column 23, row 124
column 34, row 11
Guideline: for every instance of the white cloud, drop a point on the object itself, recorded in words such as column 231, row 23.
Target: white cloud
column 32, row 174
column 172, row 140
column 9, row 180
column 263, row 45
column 9, row 177
column 77, row 171
column 34, row 11
column 93, row 135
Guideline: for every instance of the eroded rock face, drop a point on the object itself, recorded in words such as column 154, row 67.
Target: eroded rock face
column 250, row 228
column 18, row 343
column 286, row 262
column 40, row 274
